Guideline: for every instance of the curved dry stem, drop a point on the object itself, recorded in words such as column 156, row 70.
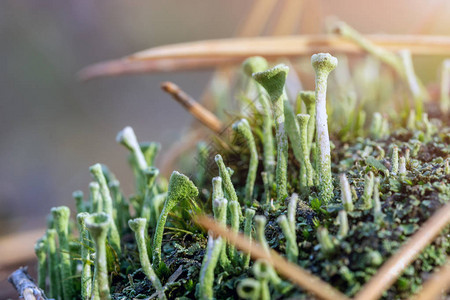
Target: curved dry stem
column 292, row 272
column 394, row 267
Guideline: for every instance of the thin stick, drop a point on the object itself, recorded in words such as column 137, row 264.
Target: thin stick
column 437, row 285
column 25, row 285
column 294, row 46
column 206, row 117
column 394, row 267
column 294, row 273
column 125, row 66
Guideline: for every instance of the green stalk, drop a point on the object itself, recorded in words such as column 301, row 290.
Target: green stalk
column 343, row 224
column 249, row 214
column 206, row 279
column 346, row 194
column 61, row 216
column 139, row 227
column 262, row 269
column 260, row 226
column 128, row 138
column 326, row 244
column 309, row 98
column 323, row 64
column 40, row 248
column 98, row 225
column 273, row 81
column 228, row 187
column 253, row 65
column 148, row 207
column 368, row 191
column 113, row 233
column 78, row 197
column 291, row 239
column 243, row 128
column 266, row 197
column 86, row 276
column 234, row 220
column 180, row 188
column 219, row 205
column 303, row 121
column 53, row 262
column 394, row 160
column 95, row 198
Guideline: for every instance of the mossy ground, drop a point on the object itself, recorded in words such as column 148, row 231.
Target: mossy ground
column 407, row 202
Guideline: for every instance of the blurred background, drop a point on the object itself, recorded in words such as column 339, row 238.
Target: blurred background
column 53, row 127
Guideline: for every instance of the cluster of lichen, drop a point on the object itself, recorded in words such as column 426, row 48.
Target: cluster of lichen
column 338, row 207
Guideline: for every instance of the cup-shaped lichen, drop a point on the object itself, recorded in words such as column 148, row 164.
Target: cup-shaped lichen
column 98, row 225
column 180, row 188
column 273, row 81
column 139, row 227
column 323, row 64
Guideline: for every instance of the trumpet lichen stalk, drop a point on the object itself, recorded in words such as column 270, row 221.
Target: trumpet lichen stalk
column 228, row 187
column 377, row 213
column 206, row 280
column 402, row 166
column 243, row 128
column 368, row 191
column 249, row 214
column 262, row 271
column 309, row 98
column 326, row 244
column 86, row 276
column 113, row 233
column 220, row 214
column 291, row 239
column 150, row 151
column 394, row 160
column 323, row 64
column 303, row 121
column 53, row 263
column 78, row 197
column 95, row 198
column 445, row 86
column 414, row 85
column 180, row 188
column 253, row 65
column 98, row 225
column 292, row 212
column 148, row 207
column 343, row 224
column 266, row 197
column 127, row 138
column 260, row 226
column 123, row 214
column 61, row 217
column 234, row 220
column 139, row 227
column 273, row 81
column 217, row 188
column 40, row 248
column 346, row 193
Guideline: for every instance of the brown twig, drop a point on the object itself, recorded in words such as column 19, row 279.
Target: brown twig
column 437, row 285
column 206, row 117
column 125, row 66
column 25, row 285
column 294, row 46
column 394, row 267
column 294, row 273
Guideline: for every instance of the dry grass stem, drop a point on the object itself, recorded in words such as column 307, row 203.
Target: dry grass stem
column 125, row 66
column 206, row 117
column 292, row 272
column 293, row 46
column 394, row 267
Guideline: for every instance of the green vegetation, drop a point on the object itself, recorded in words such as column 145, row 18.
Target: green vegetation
column 336, row 207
